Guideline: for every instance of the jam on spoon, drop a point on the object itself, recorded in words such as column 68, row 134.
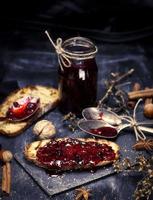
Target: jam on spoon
column 104, row 131
column 100, row 128
column 23, row 108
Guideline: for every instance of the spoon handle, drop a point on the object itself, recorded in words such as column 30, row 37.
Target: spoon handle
column 146, row 129
column 123, row 126
column 150, row 122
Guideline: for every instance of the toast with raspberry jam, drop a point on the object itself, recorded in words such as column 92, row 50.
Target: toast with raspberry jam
column 64, row 154
column 48, row 98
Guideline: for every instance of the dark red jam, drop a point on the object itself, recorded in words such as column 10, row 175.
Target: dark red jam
column 23, row 108
column 71, row 154
column 78, row 83
column 104, row 131
column 100, row 117
column 78, row 91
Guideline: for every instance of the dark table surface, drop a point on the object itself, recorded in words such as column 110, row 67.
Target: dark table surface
column 28, row 58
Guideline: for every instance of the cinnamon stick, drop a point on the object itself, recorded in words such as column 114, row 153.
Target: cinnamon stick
column 6, row 178
column 6, row 156
column 8, row 167
column 136, row 87
column 140, row 94
column 147, row 100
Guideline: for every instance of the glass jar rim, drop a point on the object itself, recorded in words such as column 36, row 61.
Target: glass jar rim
column 79, row 46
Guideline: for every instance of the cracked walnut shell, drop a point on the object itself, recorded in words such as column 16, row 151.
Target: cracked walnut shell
column 44, row 129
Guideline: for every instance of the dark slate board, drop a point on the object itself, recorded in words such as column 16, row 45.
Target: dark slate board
column 68, row 180
column 54, row 185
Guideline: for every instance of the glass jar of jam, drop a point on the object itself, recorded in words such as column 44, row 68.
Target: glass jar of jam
column 78, row 82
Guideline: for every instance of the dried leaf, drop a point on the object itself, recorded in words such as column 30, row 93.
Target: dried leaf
column 142, row 164
column 70, row 120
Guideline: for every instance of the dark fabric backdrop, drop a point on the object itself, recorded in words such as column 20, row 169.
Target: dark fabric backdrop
column 108, row 16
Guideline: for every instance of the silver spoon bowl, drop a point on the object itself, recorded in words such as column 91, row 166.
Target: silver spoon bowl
column 28, row 115
column 95, row 113
column 94, row 127
column 21, row 119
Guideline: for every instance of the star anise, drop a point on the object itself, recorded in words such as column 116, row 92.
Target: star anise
column 144, row 145
column 82, row 193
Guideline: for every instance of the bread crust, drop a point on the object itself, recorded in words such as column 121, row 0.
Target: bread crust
column 49, row 98
column 30, row 150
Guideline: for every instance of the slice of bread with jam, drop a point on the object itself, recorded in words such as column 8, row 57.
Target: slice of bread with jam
column 48, row 98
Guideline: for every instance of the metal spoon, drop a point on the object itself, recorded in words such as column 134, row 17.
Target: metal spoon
column 23, row 118
column 94, row 113
column 109, row 131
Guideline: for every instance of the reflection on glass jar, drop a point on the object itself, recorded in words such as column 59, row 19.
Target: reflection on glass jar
column 78, row 83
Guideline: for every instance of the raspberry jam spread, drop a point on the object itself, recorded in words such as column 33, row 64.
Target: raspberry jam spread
column 23, row 108
column 71, row 154
column 104, row 131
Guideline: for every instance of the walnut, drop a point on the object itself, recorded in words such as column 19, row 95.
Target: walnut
column 44, row 129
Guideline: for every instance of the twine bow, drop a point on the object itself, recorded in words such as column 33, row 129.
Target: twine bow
column 64, row 57
column 138, row 129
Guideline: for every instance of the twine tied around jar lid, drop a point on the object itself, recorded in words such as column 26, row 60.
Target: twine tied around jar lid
column 64, row 57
